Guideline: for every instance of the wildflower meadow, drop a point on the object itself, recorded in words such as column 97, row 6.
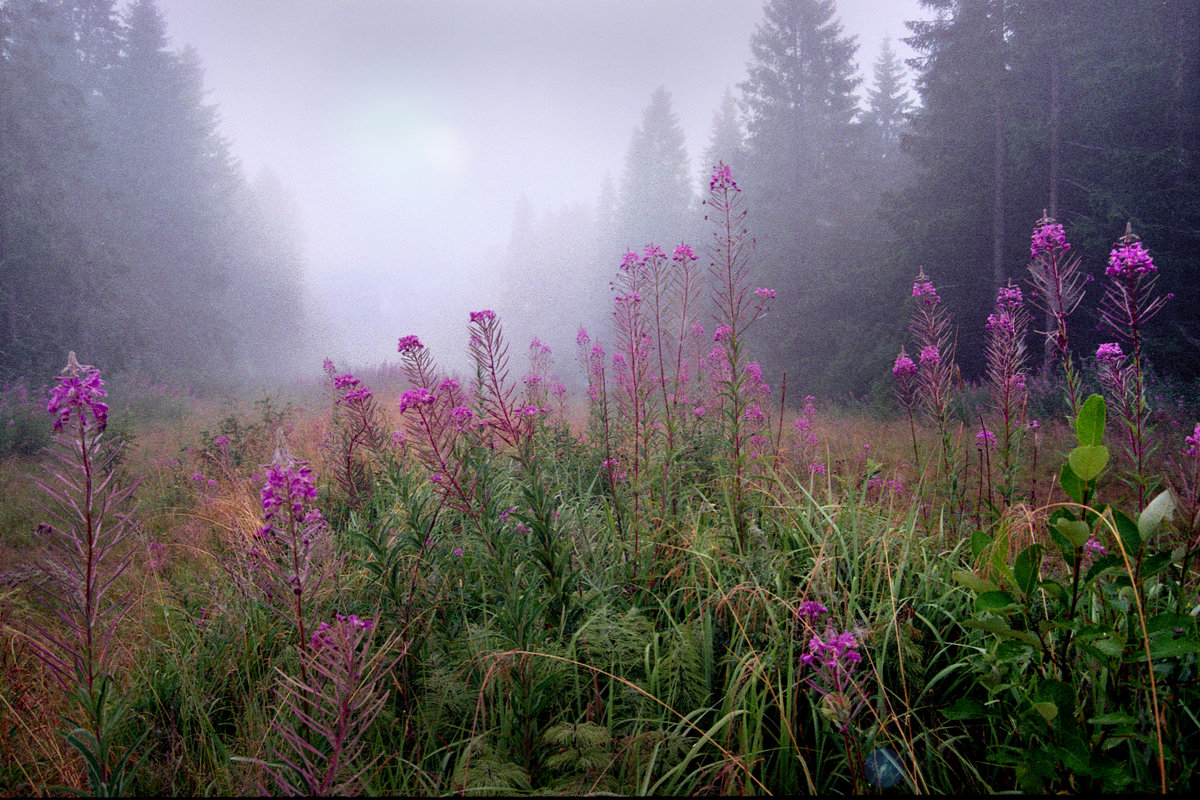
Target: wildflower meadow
column 638, row 568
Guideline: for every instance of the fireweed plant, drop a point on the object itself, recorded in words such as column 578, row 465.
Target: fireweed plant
column 1129, row 303
column 357, row 439
column 1057, row 291
column 90, row 513
column 1007, row 328
column 852, row 635
column 736, row 310
column 935, row 379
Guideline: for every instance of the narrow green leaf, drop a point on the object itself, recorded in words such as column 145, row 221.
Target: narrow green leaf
column 998, row 628
column 1114, row 718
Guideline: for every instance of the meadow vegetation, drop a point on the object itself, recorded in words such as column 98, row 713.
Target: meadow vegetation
column 675, row 580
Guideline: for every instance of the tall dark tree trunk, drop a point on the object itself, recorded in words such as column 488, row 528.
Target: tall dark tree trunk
column 1055, row 177
column 999, row 166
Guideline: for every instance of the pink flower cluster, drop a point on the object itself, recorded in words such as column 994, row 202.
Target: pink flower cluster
column 1129, row 261
column 356, row 392
column 409, row 344
column 836, row 652
column 722, row 178
column 1047, row 239
column 287, row 484
column 924, row 292
column 1193, row 442
column 904, row 367
column 415, row 397
column 77, row 395
column 1109, row 352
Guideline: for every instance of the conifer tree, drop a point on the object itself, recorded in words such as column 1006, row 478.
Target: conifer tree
column 656, row 189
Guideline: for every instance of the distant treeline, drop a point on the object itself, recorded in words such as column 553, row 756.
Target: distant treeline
column 1088, row 110
column 127, row 231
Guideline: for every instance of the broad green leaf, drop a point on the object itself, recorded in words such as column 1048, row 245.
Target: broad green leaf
column 974, row 582
column 1160, row 509
column 1000, row 629
column 1163, row 647
column 1046, row 710
column 994, row 601
column 1076, row 531
column 1089, row 425
column 1088, row 461
column 1025, row 568
column 966, row 708
column 1070, row 483
column 979, row 541
column 1130, row 538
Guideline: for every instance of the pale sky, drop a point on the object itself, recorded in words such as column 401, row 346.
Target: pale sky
column 406, row 131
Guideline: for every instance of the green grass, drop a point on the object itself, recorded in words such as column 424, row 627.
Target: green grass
column 554, row 660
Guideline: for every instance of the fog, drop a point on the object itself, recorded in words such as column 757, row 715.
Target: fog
column 407, row 132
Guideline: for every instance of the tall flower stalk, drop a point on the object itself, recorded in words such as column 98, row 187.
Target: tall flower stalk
column 90, row 513
column 936, row 371
column 1006, row 378
column 292, row 552
column 631, row 365
column 1129, row 303
column 736, row 309
column 1058, row 289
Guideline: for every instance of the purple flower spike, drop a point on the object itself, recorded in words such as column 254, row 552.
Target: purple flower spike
column 409, row 344
column 1048, row 238
column 1109, row 352
column 722, row 178
column 904, row 367
column 77, row 395
column 1129, row 260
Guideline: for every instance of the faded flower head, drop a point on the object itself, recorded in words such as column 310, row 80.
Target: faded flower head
column 480, row 317
column 764, row 294
column 930, row 355
column 683, row 253
column 985, row 439
column 631, row 261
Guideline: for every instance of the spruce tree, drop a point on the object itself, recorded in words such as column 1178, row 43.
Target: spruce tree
column 656, row 189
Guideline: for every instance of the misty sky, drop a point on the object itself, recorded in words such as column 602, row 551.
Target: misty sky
column 406, row 130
